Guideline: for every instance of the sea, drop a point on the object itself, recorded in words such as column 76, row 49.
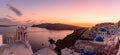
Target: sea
column 38, row 37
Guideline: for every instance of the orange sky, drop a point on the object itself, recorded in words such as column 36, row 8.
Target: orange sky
column 81, row 13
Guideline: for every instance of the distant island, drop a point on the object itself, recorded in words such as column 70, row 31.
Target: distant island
column 6, row 25
column 56, row 26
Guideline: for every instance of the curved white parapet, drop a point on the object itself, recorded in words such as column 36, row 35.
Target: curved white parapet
column 67, row 51
column 45, row 51
column 18, row 48
column 1, row 39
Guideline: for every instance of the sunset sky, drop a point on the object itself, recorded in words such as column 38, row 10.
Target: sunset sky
column 76, row 12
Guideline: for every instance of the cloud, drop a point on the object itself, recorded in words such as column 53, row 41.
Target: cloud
column 15, row 10
column 28, row 21
column 9, row 16
column 5, row 20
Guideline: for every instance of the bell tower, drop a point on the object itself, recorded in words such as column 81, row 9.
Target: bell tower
column 21, row 33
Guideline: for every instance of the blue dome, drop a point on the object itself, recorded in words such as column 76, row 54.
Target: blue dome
column 103, row 30
column 89, row 53
column 99, row 39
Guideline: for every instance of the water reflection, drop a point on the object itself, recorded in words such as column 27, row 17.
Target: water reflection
column 37, row 36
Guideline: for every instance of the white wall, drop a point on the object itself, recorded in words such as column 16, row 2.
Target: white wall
column 16, row 49
column 1, row 39
column 45, row 51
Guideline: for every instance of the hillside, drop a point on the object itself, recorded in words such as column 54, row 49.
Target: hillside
column 57, row 26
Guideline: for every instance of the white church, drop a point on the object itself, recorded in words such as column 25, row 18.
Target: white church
column 17, row 44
